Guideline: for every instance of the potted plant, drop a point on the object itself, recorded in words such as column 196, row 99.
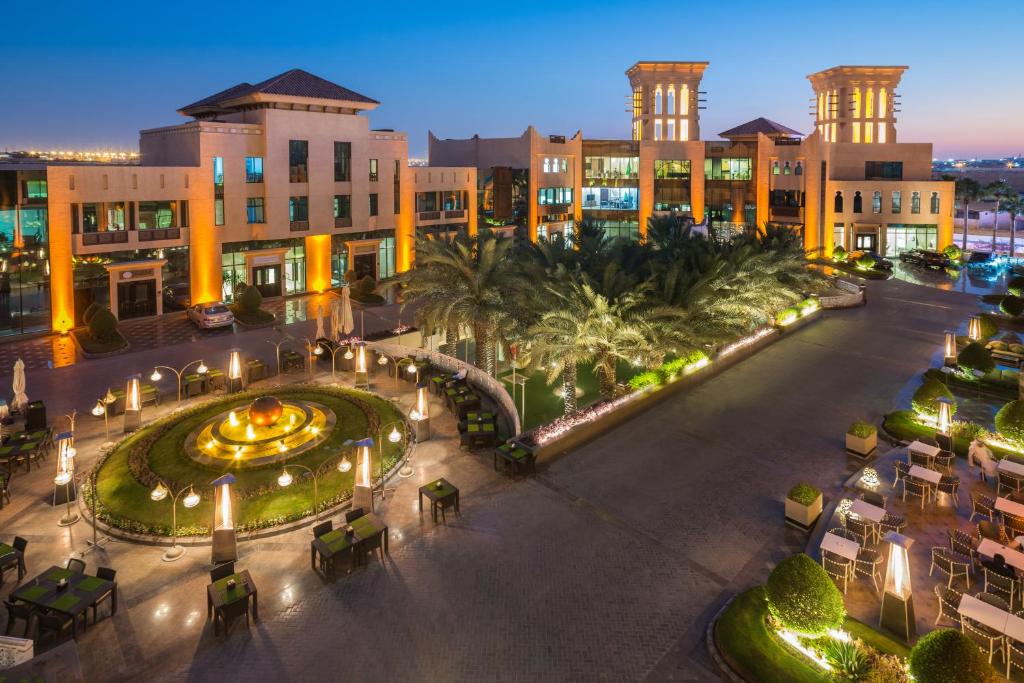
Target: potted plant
column 803, row 506
column 861, row 439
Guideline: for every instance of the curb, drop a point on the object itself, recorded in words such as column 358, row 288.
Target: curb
column 724, row 670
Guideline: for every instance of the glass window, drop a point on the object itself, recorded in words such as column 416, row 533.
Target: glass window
column 298, row 209
column 876, row 202
column 883, row 170
column 775, row 168
column 799, row 170
column 838, row 203
column 342, row 206
column 553, row 195
column 35, row 189
column 901, row 237
column 611, row 168
column 218, row 170
column 858, row 203
column 298, row 159
column 838, row 235
column 396, row 188
column 671, row 99
column 386, row 258
column 657, row 129
column 670, row 133
column 547, row 165
column 786, row 170
column 158, row 215
column 657, row 103
column 610, row 198
column 915, row 202
column 373, row 170
column 897, row 201
column 218, row 190
column 342, row 162
column 672, row 169
column 254, row 209
column 565, row 165
column 254, row 169
column 727, row 168
column 373, row 204
column 218, row 212
column 625, row 230
column 115, row 215
column 339, row 259
column 935, row 202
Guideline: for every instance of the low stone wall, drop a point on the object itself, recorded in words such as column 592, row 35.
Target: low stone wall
column 853, row 295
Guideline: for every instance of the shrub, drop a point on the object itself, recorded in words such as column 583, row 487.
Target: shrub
column 1010, row 421
column 885, row 669
column 350, row 276
column 974, row 356
column 1010, row 338
column 90, row 311
column 997, row 346
column 103, row 325
column 802, row 597
column 1012, row 305
column 847, row 658
column 250, row 299
column 1016, row 286
column 802, row 493
column 807, row 305
column 925, row 399
column 953, row 252
column 366, row 285
column 948, row 656
column 1016, row 348
column 645, row 379
column 861, row 429
column 865, row 262
column 239, row 287
column 787, row 315
column 989, row 327
column 838, row 254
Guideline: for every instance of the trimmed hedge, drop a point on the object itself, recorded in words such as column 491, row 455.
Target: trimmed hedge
column 1012, row 305
column 862, row 430
column 103, row 325
column 953, row 252
column 802, row 597
column 1016, row 286
column 925, row 399
column 864, row 261
column 802, row 493
column 1010, row 421
column 89, row 312
column 948, row 656
column 989, row 327
column 250, row 299
column 974, row 356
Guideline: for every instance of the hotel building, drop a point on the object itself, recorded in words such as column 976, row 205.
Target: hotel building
column 284, row 185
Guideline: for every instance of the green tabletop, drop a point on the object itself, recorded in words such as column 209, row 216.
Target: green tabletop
column 513, row 451
column 64, row 602
column 364, row 527
column 56, row 574
column 230, row 595
column 434, row 493
column 475, row 428
column 31, row 592
column 215, row 373
column 5, row 549
column 90, row 584
column 336, row 540
column 192, row 378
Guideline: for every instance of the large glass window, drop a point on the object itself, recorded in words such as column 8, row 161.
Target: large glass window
column 626, row 230
column 342, row 162
column 158, row 215
column 298, row 161
column 35, row 190
column 935, row 202
column 672, row 169
column 295, row 269
column 218, row 190
column 339, row 259
column 897, row 201
column 374, row 171
column 386, row 258
column 426, row 201
column 611, row 198
column 611, row 168
column 254, row 169
column 298, row 209
column 876, row 202
column 915, row 202
column 373, row 204
column 901, row 237
column 554, row 195
column 727, row 168
column 342, row 206
column 883, row 170
column 254, row 209
column 24, row 267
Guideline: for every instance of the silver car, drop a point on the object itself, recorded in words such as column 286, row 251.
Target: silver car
column 211, row 314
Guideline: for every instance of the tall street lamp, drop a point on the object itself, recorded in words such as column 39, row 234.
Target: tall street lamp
column 66, row 476
column 156, row 376
column 102, row 407
column 383, row 362
column 334, row 355
column 286, row 479
column 191, row 500
column 315, row 351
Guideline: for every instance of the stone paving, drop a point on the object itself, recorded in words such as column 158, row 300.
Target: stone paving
column 607, row 565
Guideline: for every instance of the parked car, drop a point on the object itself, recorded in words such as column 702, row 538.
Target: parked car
column 912, row 256
column 925, row 257
column 211, row 314
column 177, row 296
column 881, row 263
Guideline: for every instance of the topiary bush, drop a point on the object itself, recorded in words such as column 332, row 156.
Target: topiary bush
column 948, row 656
column 645, row 379
column 802, row 597
column 103, row 325
column 350, row 277
column 865, row 262
column 250, row 299
column 989, row 327
column 1016, row 286
column 838, row 254
column 1012, row 305
column 953, row 252
column 1010, row 421
column 925, row 399
column 89, row 312
column 366, row 285
column 861, row 429
column 974, row 356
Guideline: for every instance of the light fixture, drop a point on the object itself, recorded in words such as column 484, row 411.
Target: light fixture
column 974, row 328
column 898, row 600
column 318, row 350
column 945, row 415
column 281, row 448
column 98, row 409
column 950, row 348
column 109, row 398
column 285, row 479
column 158, row 493
column 62, row 478
column 250, row 433
column 191, row 499
column 232, row 419
column 394, row 436
column 156, row 376
column 411, row 369
column 382, row 361
column 348, row 354
column 234, row 365
column 133, row 395
column 202, row 369
column 345, row 465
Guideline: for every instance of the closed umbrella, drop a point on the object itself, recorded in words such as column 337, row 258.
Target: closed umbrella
column 20, row 401
column 335, row 318
column 348, row 322
column 319, row 322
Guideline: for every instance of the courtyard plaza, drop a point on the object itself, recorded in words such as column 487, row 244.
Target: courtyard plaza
column 607, row 564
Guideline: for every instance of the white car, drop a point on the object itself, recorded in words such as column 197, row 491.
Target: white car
column 211, row 314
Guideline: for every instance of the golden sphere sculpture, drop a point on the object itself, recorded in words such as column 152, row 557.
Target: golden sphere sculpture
column 265, row 411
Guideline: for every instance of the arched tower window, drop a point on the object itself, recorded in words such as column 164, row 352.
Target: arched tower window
column 671, row 104
column 799, row 170
column 838, row 202
column 657, row 99
column 858, row 203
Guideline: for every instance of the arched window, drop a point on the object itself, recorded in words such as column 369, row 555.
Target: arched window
column 775, row 168
column 869, row 104
column 935, row 202
column 657, row 99
column 915, row 202
column 838, row 204
column 547, row 165
column 858, row 203
column 799, row 169
column 787, row 170
column 856, row 103
column 671, row 106
column 876, row 202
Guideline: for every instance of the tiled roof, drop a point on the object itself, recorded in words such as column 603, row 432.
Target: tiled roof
column 296, row 82
column 760, row 125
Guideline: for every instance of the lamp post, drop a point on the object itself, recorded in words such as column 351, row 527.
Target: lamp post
column 362, row 375
column 420, row 413
column 949, row 349
column 285, row 480
column 102, row 407
column 225, row 542
column 156, row 376
column 191, row 500
column 277, row 352
column 362, row 489
column 394, row 436
column 334, row 355
column 66, row 476
column 315, row 351
column 897, row 613
column 384, row 360
column 94, row 542
column 974, row 328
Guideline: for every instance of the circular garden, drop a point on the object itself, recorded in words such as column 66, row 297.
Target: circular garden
column 158, row 453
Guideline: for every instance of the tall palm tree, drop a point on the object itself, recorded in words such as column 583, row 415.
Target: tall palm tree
column 1000, row 191
column 466, row 281
column 968, row 191
column 1014, row 205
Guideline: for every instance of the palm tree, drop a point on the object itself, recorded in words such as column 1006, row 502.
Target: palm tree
column 466, row 281
column 968, row 190
column 998, row 191
column 1014, row 205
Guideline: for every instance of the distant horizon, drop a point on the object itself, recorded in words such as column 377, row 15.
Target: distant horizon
column 490, row 71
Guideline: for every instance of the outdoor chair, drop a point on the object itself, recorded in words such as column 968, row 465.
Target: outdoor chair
column 921, row 460
column 916, row 489
column 949, row 604
column 353, row 515
column 838, row 567
column 950, row 485
column 992, row 531
column 107, row 574
column 1014, row 653
column 982, row 505
column 902, row 471
column 15, row 611
column 1017, row 497
column 872, row 498
column 369, row 545
column 1000, row 585
column 863, row 529
column 1009, row 482
column 19, row 544
column 869, row 563
column 989, row 640
column 994, row 600
column 75, row 565
column 893, row 522
column 53, row 625
column 222, row 571
column 844, row 533
column 5, row 490
column 953, row 565
column 945, row 442
column 963, row 544
column 944, row 463
column 230, row 613
column 1013, row 525
column 321, row 529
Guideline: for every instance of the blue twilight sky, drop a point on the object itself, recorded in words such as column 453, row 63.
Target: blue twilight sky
column 90, row 74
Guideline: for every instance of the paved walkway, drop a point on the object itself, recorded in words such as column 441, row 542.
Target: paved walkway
column 605, row 566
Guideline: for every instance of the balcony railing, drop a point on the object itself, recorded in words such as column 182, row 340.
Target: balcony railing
column 343, row 222
column 456, row 213
column 299, row 226
column 430, row 215
column 786, row 211
column 154, row 234
column 108, row 237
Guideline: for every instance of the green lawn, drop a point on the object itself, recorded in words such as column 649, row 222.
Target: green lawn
column 124, row 497
column 902, row 425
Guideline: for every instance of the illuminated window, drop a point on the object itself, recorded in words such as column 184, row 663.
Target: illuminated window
column 881, row 132
column 856, row 103
column 799, row 169
column 876, row 202
column 856, row 131
column 547, row 165
column 868, row 130
column 935, row 202
column 915, row 202
column 670, row 133
column 869, row 104
column 775, row 168
column 671, row 105
column 565, row 165
column 883, row 106
column 657, row 100
column 684, row 100
column 672, row 169
column 897, row 201
column 636, row 130
column 254, row 209
column 684, row 129
column 638, row 102
column 821, row 106
column 727, row 169
column 657, row 129
column 832, row 132
column 786, row 169
column 833, row 105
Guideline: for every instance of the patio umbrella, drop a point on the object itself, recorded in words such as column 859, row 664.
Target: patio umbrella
column 319, row 322
column 20, row 397
column 348, row 322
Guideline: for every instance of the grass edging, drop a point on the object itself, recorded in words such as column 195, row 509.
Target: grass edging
column 900, row 426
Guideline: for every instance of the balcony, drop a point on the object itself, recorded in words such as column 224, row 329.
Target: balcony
column 298, row 226
column 430, row 215
column 457, row 213
column 786, row 211
column 343, row 222
column 154, row 234
column 121, row 240
column 108, row 237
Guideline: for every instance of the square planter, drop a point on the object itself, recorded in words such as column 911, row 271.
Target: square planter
column 861, row 447
column 803, row 516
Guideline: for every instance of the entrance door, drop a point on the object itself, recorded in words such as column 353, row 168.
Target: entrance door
column 136, row 299
column 267, row 279
column 365, row 264
column 867, row 242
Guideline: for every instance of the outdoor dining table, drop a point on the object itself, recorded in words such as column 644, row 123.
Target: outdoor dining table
column 930, row 476
column 983, row 613
column 219, row 595
column 990, row 548
column 1007, row 465
column 7, row 555
column 79, row 594
column 334, row 543
column 1009, row 506
column 440, row 493
column 843, row 547
column 928, row 451
column 868, row 511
